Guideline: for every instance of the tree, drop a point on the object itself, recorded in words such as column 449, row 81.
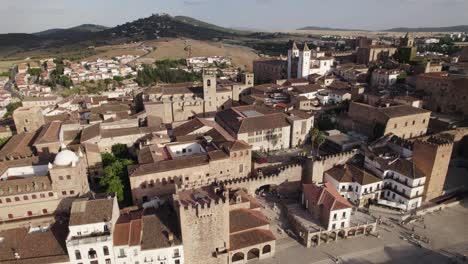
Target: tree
column 11, row 107
column 120, row 151
column 115, row 178
column 317, row 137
column 3, row 141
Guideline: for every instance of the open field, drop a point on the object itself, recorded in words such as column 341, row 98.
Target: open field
column 107, row 52
column 175, row 49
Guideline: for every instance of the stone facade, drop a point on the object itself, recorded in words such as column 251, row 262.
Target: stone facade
column 28, row 119
column 31, row 196
column 205, row 227
column 432, row 156
column 444, row 93
column 366, row 55
column 179, row 102
column 270, row 70
column 401, row 120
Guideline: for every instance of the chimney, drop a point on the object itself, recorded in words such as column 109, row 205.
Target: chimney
column 170, row 237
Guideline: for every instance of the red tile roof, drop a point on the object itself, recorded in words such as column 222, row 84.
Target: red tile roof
column 325, row 195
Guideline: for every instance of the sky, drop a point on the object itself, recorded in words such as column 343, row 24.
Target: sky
column 27, row 16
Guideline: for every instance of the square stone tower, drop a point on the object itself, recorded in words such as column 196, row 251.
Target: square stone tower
column 204, row 221
column 432, row 156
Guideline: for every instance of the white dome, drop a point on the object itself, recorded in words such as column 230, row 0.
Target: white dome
column 65, row 158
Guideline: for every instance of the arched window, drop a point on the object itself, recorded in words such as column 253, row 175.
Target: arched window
column 208, row 82
column 77, row 254
column 105, row 249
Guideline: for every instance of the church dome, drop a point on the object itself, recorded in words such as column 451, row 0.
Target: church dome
column 65, row 158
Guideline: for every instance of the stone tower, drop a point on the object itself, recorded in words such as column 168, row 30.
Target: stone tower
column 28, row 119
column 432, row 156
column 204, row 220
column 293, row 54
column 304, row 62
column 209, row 91
column 407, row 41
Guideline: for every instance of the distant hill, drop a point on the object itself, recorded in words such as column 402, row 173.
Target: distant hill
column 460, row 28
column 203, row 24
column 80, row 28
column 328, row 29
column 153, row 27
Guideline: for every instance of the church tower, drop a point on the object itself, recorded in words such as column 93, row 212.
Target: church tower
column 209, row 91
column 293, row 54
column 303, row 68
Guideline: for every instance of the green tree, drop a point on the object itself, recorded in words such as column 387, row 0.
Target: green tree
column 11, row 107
column 3, row 141
column 34, row 71
column 120, row 151
column 317, row 138
column 115, row 178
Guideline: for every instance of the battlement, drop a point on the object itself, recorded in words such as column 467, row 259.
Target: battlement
column 202, row 201
column 436, row 141
column 292, row 172
column 349, row 153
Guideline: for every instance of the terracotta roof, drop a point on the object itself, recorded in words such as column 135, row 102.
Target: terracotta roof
column 325, row 195
column 166, row 165
column 90, row 132
column 310, row 88
column 188, row 127
column 402, row 110
column 35, row 247
column 91, row 211
column 250, row 238
column 157, row 228
column 127, row 230
column 351, row 173
column 49, row 133
column 246, row 219
column 402, row 166
column 20, row 185
column 265, row 118
column 18, row 146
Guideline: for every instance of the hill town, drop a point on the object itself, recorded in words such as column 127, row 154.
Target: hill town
column 231, row 146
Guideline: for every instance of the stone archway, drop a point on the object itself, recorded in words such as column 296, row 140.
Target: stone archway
column 254, row 253
column 369, row 229
column 333, row 235
column 315, row 240
column 342, row 234
column 352, row 232
column 239, row 256
column 266, row 249
column 360, row 231
column 324, row 237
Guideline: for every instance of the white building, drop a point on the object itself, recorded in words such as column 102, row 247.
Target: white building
column 355, row 184
column 403, row 183
column 303, row 62
column 148, row 237
column 90, row 240
column 383, row 78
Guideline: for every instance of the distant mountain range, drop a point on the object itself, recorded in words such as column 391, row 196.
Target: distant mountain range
column 329, row 29
column 460, row 28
